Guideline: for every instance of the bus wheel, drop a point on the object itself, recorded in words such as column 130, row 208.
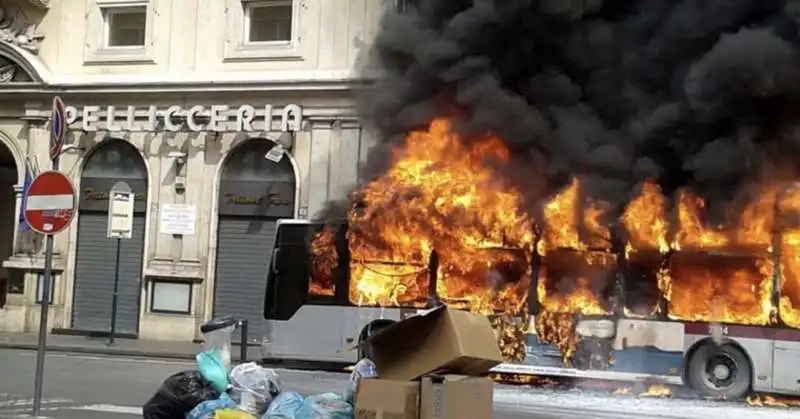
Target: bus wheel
column 720, row 372
column 368, row 331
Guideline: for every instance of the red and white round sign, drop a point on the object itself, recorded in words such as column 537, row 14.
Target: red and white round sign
column 50, row 203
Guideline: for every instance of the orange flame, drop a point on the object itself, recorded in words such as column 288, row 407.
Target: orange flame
column 444, row 195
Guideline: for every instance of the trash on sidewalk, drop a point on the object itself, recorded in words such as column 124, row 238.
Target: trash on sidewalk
column 285, row 406
column 427, row 366
column 178, row 395
column 206, row 409
column 254, row 387
column 325, row 406
column 425, row 362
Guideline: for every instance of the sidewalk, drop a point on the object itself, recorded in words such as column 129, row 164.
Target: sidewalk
column 92, row 345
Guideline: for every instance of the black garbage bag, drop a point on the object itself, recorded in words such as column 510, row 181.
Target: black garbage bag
column 179, row 394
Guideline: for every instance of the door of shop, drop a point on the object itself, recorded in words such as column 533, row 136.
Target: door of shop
column 254, row 193
column 95, row 255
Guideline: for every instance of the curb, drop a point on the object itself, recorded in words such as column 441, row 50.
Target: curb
column 136, row 353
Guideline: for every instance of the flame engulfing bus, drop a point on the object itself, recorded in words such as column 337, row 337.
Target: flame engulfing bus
column 655, row 295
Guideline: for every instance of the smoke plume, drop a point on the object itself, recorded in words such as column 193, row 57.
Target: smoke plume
column 696, row 94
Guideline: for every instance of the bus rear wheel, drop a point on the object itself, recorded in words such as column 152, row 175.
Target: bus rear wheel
column 369, row 331
column 720, row 372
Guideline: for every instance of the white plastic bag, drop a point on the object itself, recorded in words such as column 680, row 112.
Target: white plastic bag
column 254, row 387
column 363, row 369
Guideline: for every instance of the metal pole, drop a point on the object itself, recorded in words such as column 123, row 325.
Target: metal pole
column 44, row 310
column 243, row 341
column 114, row 297
column 45, row 306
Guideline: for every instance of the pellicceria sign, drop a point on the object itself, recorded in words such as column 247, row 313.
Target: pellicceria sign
column 197, row 118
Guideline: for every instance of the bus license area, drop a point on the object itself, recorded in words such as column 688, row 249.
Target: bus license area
column 441, row 208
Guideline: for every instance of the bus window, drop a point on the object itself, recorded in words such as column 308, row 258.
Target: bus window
column 324, row 261
column 294, row 272
column 642, row 294
column 495, row 278
column 720, row 287
column 576, row 282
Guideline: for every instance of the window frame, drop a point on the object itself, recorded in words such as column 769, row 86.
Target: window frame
column 108, row 11
column 152, row 294
column 249, row 6
column 238, row 48
column 97, row 50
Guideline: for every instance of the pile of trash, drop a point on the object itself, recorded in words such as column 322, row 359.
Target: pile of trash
column 428, row 366
column 214, row 390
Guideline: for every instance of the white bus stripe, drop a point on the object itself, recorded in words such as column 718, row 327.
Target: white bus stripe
column 49, row 202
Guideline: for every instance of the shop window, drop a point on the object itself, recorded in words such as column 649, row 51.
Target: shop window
column 125, row 26
column 268, row 21
column 167, row 296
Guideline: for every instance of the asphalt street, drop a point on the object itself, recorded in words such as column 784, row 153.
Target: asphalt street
column 89, row 387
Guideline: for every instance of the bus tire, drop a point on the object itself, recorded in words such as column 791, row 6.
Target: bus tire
column 368, row 331
column 720, row 372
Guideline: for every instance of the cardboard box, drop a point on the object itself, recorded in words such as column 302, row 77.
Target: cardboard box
column 387, row 399
column 436, row 340
column 456, row 397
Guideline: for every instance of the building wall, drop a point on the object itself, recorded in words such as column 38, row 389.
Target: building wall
column 189, row 60
column 196, row 40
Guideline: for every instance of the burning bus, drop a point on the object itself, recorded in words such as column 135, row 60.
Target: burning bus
column 653, row 295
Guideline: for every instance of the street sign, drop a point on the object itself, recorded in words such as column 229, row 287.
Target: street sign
column 50, row 204
column 120, row 211
column 58, row 127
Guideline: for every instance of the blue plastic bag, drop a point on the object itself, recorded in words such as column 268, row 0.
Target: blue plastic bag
column 211, row 367
column 206, row 409
column 285, row 406
column 325, row 406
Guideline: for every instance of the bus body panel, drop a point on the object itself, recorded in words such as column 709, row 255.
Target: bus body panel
column 785, row 371
column 322, row 333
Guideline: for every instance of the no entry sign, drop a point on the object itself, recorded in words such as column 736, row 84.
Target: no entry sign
column 50, row 204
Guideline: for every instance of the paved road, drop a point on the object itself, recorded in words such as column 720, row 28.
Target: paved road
column 88, row 387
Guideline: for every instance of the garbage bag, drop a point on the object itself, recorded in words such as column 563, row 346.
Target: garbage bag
column 212, row 368
column 253, row 387
column 232, row 414
column 206, row 409
column 178, row 395
column 285, row 406
column 325, row 406
column 363, row 369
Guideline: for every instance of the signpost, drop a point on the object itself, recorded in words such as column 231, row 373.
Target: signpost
column 49, row 209
column 120, row 226
column 58, row 130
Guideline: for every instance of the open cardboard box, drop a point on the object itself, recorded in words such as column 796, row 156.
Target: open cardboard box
column 458, row 344
column 438, row 339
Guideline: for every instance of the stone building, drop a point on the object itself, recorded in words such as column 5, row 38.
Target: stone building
column 185, row 100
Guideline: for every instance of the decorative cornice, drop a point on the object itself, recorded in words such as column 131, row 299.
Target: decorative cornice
column 17, row 30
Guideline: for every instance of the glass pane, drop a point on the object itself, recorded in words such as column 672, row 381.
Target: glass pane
column 126, row 27
column 270, row 23
column 171, row 296
column 115, row 159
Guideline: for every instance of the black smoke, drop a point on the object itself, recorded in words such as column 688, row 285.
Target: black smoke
column 698, row 94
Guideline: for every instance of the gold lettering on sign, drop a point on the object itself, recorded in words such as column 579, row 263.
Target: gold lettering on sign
column 273, row 199
column 244, row 199
column 91, row 194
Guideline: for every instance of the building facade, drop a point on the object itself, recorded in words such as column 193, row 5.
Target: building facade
column 222, row 116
